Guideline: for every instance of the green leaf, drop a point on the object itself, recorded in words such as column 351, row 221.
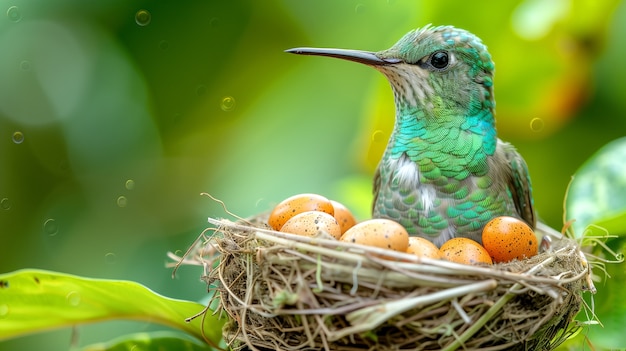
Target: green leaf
column 597, row 194
column 608, row 306
column 35, row 300
column 597, row 201
column 154, row 341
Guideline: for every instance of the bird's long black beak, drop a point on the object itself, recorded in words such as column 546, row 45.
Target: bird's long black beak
column 365, row 57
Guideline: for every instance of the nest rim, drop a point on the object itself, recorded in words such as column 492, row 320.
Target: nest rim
column 451, row 282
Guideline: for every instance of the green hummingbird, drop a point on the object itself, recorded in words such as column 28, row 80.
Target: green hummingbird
column 444, row 172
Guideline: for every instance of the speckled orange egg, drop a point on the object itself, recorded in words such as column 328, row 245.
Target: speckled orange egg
column 343, row 216
column 298, row 204
column 508, row 238
column 311, row 223
column 378, row 232
column 464, row 250
column 423, row 248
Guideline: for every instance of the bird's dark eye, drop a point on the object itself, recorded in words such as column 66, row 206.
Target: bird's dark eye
column 439, row 60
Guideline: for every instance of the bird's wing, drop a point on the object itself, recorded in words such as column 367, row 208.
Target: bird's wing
column 518, row 182
column 377, row 181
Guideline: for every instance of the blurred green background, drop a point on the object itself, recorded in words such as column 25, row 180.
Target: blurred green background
column 116, row 115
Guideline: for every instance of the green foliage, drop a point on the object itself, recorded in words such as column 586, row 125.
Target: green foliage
column 598, row 191
column 155, row 341
column 34, row 300
column 202, row 98
column 597, row 201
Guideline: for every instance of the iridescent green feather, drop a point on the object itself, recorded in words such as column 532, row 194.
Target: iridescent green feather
column 462, row 175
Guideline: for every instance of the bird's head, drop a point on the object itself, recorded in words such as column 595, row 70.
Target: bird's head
column 442, row 71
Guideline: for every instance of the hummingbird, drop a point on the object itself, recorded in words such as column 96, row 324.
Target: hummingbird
column 444, row 172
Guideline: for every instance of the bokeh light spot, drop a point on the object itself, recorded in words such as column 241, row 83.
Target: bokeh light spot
column 18, row 137
column 143, row 17
column 122, row 201
column 51, row 227
column 110, row 258
column 534, row 19
column 537, row 124
column 201, row 90
column 228, row 103
column 164, row 45
column 5, row 204
column 25, row 65
column 14, row 14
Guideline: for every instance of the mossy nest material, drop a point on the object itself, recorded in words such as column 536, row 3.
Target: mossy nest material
column 288, row 292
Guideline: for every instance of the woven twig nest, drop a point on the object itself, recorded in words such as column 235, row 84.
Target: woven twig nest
column 288, row 292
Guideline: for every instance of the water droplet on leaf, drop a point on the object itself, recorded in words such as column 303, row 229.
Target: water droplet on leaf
column 377, row 136
column 51, row 227
column 18, row 137
column 73, row 298
column 130, row 184
column 228, row 103
column 4, row 311
column 14, row 14
column 143, row 17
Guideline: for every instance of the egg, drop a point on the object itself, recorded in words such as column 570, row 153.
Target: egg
column 378, row 232
column 297, row 204
column 464, row 250
column 423, row 248
column 312, row 223
column 508, row 238
column 343, row 216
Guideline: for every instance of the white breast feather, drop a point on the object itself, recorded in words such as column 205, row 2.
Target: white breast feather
column 406, row 175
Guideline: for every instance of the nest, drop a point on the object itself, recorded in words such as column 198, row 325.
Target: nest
column 288, row 292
